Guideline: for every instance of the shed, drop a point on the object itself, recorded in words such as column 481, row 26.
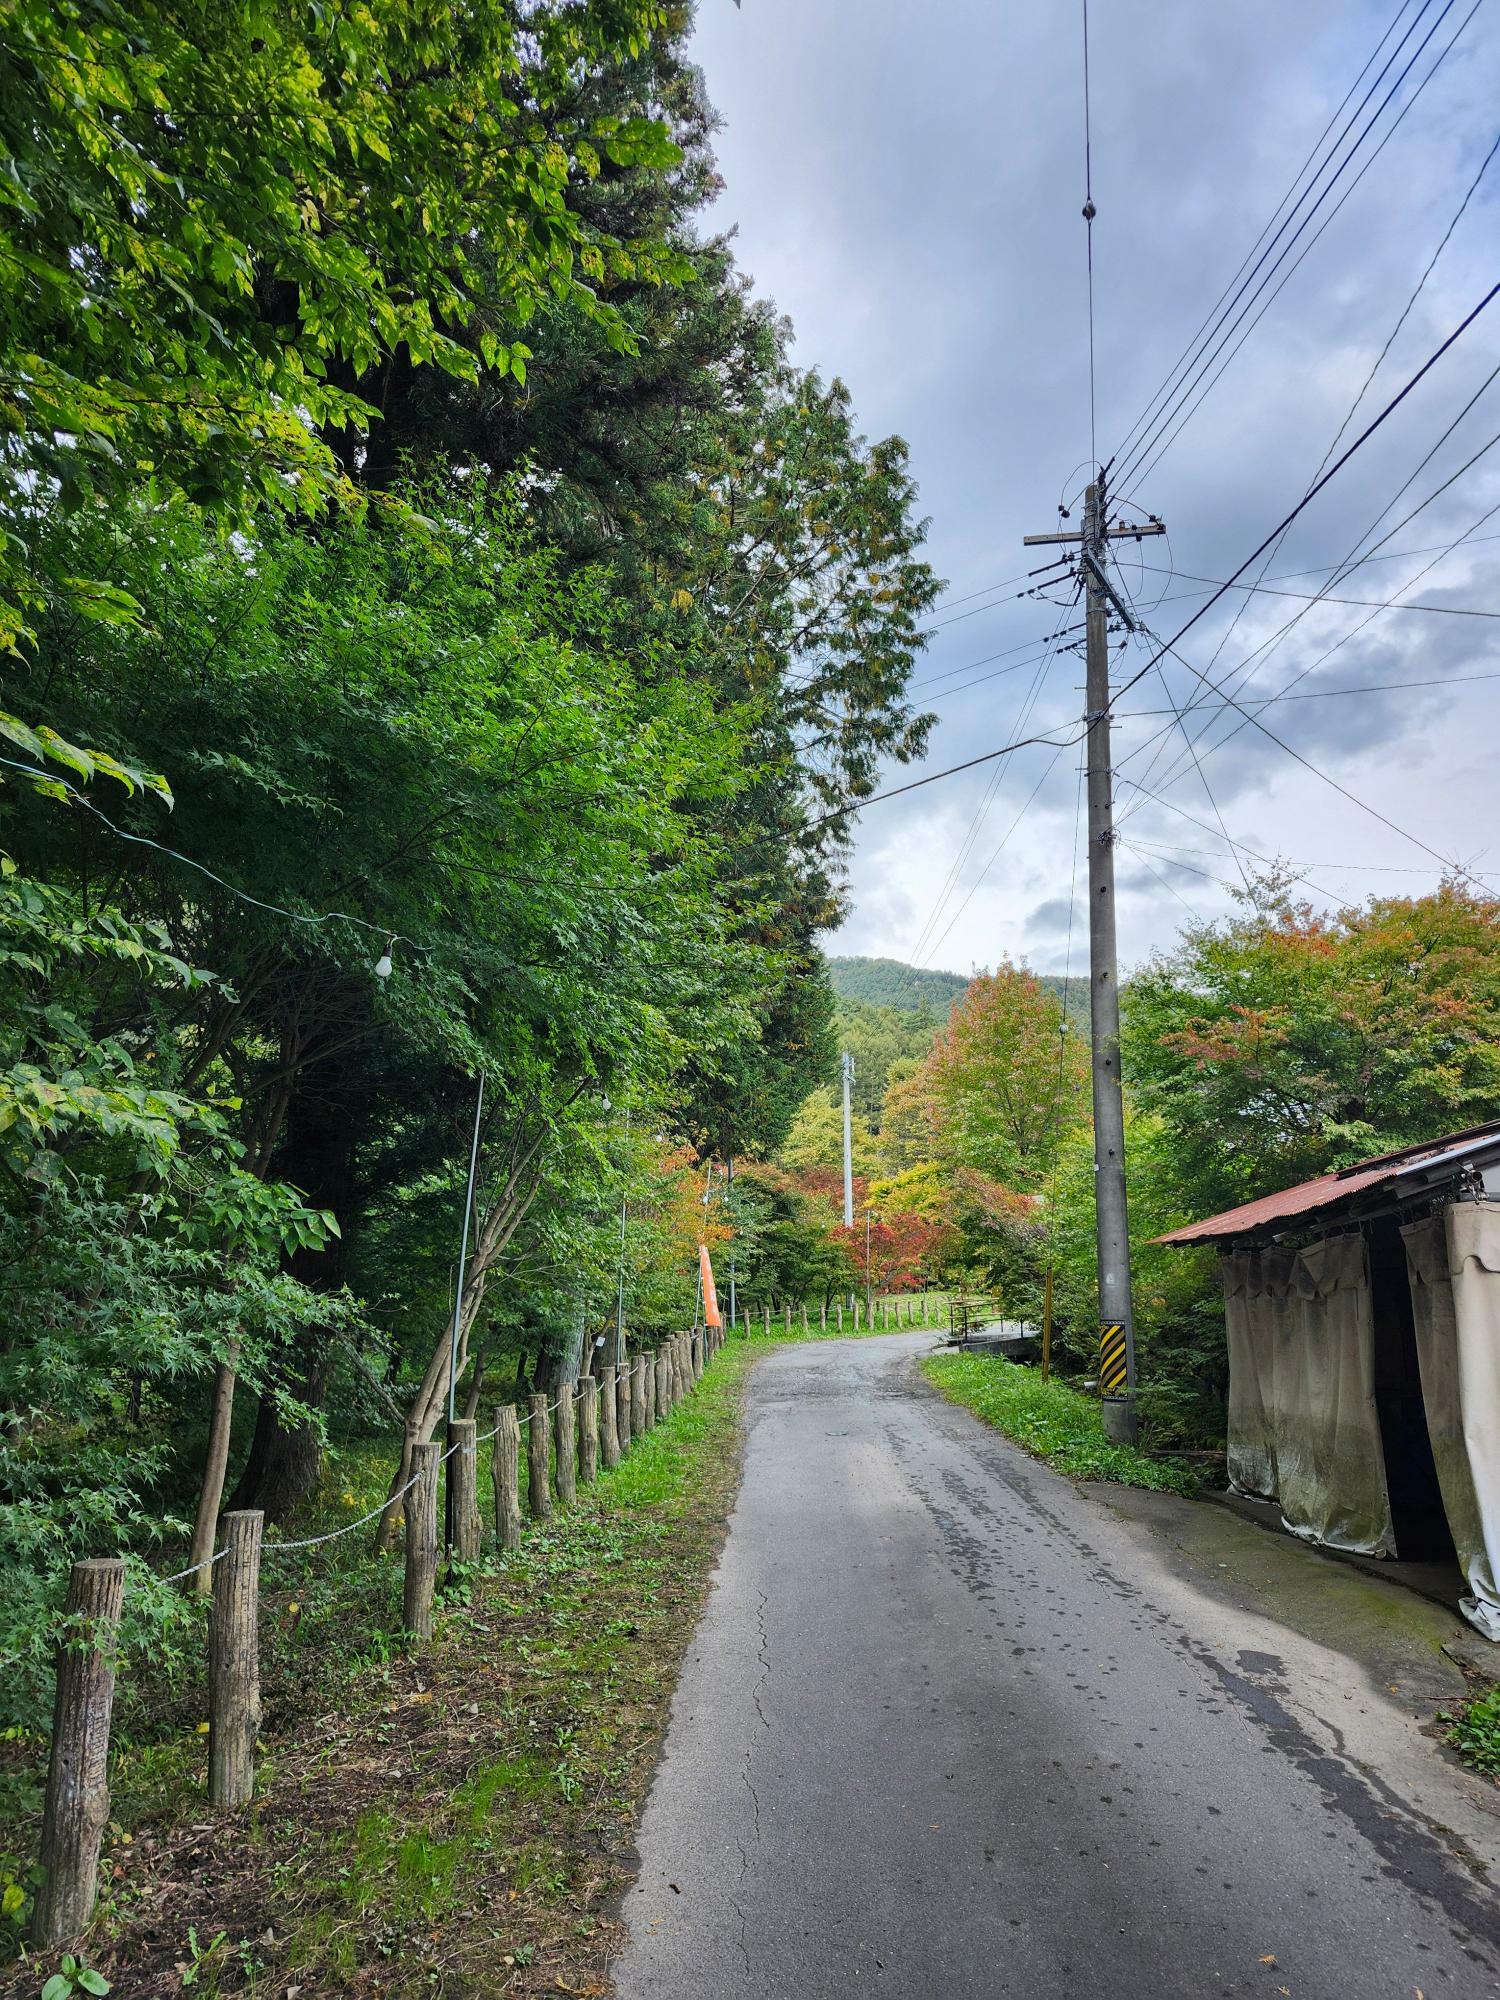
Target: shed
column 1362, row 1315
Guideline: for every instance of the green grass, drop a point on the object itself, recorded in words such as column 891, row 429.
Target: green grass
column 1053, row 1422
column 443, row 1818
column 1475, row 1732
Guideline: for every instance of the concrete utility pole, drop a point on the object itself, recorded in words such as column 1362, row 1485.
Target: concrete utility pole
column 1112, row 1233
column 729, row 1215
column 848, row 1067
column 869, row 1280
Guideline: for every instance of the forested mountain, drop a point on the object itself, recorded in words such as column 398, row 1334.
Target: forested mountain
column 886, row 982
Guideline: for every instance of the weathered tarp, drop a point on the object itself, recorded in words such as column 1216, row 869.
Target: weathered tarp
column 1252, row 1399
column 1453, row 1261
column 1303, row 1427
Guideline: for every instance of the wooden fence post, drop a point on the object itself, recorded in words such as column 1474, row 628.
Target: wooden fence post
column 538, row 1458
column 566, row 1416
column 841, row 1315
column 77, row 1806
column 663, row 1383
column 698, row 1340
column 588, row 1430
column 421, row 1541
column 823, row 1317
column 649, row 1380
column 609, row 1431
column 234, row 1662
column 804, row 1319
column 856, row 1315
column 638, row 1424
column 463, row 1489
column 624, row 1422
column 505, row 1477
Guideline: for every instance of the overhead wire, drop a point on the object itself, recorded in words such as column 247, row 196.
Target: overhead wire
column 1263, row 651
column 1089, row 213
column 922, row 945
column 1164, row 646
column 1146, row 463
column 1359, row 396
column 1273, row 222
column 1202, row 351
column 1447, row 863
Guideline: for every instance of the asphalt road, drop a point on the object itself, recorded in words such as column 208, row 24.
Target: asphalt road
column 947, row 1729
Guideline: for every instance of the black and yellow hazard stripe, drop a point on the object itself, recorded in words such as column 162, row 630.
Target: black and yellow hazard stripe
column 1112, row 1358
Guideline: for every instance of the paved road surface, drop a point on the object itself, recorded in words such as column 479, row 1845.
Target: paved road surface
column 947, row 1729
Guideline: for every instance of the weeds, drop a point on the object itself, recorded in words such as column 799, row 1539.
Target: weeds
column 1051, row 1421
column 1474, row 1732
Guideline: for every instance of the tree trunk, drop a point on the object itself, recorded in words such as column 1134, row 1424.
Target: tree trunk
column 285, row 1460
column 215, row 1464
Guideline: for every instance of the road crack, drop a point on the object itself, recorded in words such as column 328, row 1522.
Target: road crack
column 763, row 1656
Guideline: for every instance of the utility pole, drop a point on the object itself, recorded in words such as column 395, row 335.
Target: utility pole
column 729, row 1213
column 848, row 1067
column 869, row 1280
column 1112, row 1233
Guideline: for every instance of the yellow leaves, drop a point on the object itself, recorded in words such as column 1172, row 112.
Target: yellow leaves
column 682, row 601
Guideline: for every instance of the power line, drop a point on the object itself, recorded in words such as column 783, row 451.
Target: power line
column 1181, row 385
column 1364, row 387
column 981, row 812
column 1041, row 640
column 1318, row 772
column 1417, row 291
column 1339, row 463
column 1144, row 464
column 1322, row 597
column 1270, row 645
column 1089, row 213
column 1318, row 694
column 1272, row 223
column 933, row 777
column 1167, row 646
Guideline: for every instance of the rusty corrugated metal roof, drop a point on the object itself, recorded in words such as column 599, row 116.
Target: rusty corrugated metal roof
column 1331, row 1190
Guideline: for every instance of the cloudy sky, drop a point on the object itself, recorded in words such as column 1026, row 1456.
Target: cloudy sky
column 906, row 184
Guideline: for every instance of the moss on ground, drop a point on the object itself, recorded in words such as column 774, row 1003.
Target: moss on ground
column 1053, row 1422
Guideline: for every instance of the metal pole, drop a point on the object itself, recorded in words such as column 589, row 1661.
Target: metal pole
column 620, row 1294
column 848, row 1067
column 463, row 1255
column 729, row 1205
column 869, row 1282
column 1112, row 1234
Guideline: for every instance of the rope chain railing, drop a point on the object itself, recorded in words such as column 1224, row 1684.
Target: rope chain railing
column 593, row 1422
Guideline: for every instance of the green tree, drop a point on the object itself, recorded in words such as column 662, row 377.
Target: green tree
column 1283, row 1041
column 221, row 225
column 1005, row 1080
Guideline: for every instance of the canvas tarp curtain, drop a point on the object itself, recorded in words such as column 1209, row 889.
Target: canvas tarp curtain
column 1453, row 1261
column 1303, row 1426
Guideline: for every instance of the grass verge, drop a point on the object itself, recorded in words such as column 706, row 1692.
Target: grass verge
column 459, row 1822
column 1053, row 1422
